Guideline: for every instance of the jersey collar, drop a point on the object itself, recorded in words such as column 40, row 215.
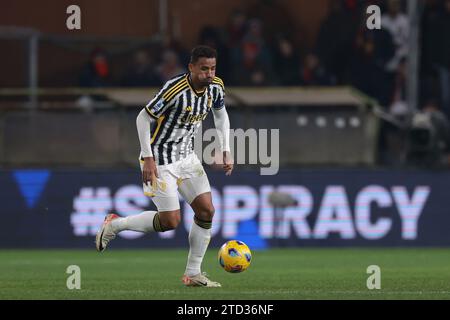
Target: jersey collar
column 197, row 93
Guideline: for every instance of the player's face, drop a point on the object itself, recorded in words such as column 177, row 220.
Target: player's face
column 203, row 71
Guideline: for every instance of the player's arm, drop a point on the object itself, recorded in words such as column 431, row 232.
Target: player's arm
column 222, row 123
column 146, row 118
column 144, row 122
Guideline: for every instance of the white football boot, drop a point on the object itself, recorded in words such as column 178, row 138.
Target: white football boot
column 199, row 280
column 106, row 233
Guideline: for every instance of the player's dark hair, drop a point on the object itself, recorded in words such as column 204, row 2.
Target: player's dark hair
column 202, row 52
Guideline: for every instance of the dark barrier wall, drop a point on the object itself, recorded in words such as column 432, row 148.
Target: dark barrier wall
column 348, row 136
column 43, row 208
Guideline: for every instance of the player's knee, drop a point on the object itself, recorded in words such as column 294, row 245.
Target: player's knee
column 170, row 221
column 207, row 213
column 210, row 212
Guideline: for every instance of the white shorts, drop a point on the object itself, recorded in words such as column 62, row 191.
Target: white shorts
column 186, row 176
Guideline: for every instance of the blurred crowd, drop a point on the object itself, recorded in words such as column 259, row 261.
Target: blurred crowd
column 257, row 48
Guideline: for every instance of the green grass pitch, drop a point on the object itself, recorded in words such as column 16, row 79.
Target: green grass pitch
column 275, row 274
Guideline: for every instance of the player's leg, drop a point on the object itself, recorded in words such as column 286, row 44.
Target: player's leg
column 165, row 197
column 197, row 193
column 200, row 233
column 147, row 221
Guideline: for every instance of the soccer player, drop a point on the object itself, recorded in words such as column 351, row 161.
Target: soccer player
column 166, row 129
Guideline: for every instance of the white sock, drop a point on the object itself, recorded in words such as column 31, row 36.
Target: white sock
column 198, row 241
column 142, row 222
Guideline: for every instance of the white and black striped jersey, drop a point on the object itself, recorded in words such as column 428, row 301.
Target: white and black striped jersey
column 179, row 110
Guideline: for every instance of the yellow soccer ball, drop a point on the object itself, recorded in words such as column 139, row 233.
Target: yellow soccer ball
column 235, row 256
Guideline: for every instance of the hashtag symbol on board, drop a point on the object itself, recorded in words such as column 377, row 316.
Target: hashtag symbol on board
column 90, row 208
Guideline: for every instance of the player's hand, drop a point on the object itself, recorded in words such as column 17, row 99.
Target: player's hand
column 149, row 171
column 227, row 163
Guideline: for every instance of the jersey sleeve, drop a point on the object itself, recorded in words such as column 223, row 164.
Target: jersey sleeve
column 219, row 94
column 158, row 105
column 163, row 99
